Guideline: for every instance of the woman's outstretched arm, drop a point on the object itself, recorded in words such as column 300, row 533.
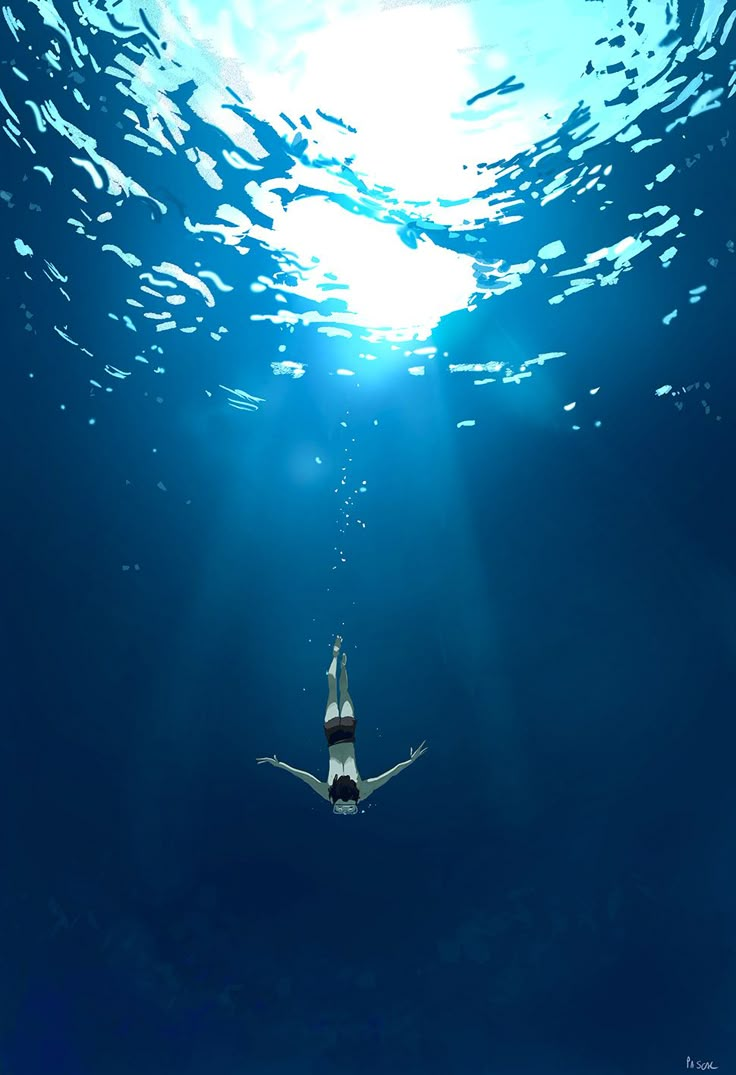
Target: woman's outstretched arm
column 316, row 785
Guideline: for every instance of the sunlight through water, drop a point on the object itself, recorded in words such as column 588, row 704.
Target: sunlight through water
column 357, row 169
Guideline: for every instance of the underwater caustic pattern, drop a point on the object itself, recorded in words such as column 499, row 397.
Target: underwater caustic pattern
column 355, row 169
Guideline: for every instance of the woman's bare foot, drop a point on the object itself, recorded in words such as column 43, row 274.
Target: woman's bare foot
column 336, row 646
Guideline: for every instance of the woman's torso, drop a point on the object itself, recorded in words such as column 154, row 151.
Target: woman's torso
column 342, row 763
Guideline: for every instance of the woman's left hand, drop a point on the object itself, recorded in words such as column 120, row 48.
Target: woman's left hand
column 414, row 754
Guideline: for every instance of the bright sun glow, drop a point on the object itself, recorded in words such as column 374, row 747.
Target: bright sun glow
column 389, row 284
column 402, row 77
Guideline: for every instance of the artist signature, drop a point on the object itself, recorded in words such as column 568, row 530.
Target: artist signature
column 700, row 1065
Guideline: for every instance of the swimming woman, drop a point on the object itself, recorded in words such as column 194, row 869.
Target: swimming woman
column 344, row 786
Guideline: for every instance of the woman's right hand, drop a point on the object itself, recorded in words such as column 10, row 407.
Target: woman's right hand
column 271, row 761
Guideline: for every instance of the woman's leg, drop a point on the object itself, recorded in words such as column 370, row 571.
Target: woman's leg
column 332, row 712
column 346, row 702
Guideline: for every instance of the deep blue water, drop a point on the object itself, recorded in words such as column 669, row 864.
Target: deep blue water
column 550, row 889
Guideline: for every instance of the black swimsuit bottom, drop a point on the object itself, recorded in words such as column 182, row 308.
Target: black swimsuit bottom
column 340, row 730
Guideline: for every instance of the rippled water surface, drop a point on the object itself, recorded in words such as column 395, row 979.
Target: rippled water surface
column 357, row 170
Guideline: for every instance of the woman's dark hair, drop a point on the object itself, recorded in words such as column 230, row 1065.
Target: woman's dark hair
column 344, row 787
